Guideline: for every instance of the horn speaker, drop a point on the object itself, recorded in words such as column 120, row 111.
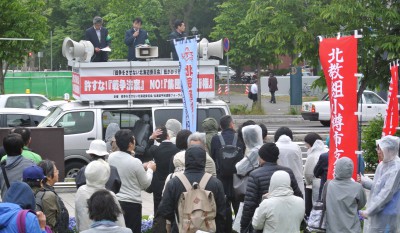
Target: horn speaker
column 207, row 49
column 80, row 51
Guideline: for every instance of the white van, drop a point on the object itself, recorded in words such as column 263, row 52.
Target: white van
column 221, row 73
column 84, row 122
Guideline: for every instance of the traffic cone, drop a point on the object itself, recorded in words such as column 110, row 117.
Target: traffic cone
column 219, row 89
column 247, row 90
column 226, row 89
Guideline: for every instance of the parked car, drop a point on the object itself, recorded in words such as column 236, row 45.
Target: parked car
column 13, row 117
column 84, row 122
column 51, row 105
column 22, row 100
column 221, row 73
column 372, row 105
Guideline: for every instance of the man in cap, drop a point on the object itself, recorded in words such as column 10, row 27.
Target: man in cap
column 259, row 180
column 98, row 150
column 98, row 36
column 33, row 176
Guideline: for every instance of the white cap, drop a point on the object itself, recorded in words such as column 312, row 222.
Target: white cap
column 97, row 147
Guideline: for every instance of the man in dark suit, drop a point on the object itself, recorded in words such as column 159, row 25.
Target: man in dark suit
column 179, row 32
column 162, row 155
column 134, row 37
column 98, row 35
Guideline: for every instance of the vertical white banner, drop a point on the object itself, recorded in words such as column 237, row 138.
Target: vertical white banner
column 187, row 53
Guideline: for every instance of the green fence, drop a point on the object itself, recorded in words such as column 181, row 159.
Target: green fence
column 52, row 84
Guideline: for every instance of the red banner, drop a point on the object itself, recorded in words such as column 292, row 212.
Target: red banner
column 392, row 112
column 339, row 62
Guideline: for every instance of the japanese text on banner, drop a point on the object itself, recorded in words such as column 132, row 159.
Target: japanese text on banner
column 339, row 62
column 187, row 52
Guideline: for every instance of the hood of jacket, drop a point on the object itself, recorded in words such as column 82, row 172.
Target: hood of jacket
column 344, row 168
column 7, row 213
column 280, row 185
column 284, row 139
column 252, row 136
column 97, row 173
column 21, row 194
column 112, row 128
column 318, row 147
column 210, row 125
column 179, row 161
column 390, row 147
column 195, row 159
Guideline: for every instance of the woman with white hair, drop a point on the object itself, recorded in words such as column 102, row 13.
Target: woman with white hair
column 173, row 127
column 383, row 206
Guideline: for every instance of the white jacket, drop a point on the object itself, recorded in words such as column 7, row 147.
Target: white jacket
column 282, row 212
column 97, row 174
column 290, row 156
column 312, row 159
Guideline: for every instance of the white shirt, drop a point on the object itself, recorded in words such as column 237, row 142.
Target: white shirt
column 254, row 88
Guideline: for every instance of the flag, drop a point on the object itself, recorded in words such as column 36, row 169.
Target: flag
column 187, row 53
column 338, row 57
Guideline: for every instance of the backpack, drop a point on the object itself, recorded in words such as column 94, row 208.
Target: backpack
column 62, row 223
column 196, row 207
column 228, row 156
column 21, row 221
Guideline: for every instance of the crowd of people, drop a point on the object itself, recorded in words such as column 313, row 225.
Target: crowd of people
column 195, row 179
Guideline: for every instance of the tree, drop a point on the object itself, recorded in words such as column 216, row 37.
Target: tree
column 20, row 19
column 294, row 26
column 232, row 22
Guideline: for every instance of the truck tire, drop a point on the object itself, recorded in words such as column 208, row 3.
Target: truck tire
column 325, row 123
column 72, row 168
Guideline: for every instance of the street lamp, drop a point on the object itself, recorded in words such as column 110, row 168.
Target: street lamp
column 194, row 31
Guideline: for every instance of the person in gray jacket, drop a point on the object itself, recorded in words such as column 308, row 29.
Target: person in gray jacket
column 15, row 163
column 344, row 197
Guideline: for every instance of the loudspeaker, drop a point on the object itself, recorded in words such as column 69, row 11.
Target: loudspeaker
column 216, row 49
column 207, row 49
column 146, row 52
column 80, row 51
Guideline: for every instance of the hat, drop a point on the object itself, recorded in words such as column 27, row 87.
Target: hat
column 97, row 147
column 33, row 172
column 269, row 152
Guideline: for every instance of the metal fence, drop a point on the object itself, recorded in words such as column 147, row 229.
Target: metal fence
column 52, row 84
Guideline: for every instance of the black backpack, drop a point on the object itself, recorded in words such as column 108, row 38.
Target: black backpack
column 228, row 156
column 62, row 223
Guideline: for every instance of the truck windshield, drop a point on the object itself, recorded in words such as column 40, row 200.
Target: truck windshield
column 49, row 119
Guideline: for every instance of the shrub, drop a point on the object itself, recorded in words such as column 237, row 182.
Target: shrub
column 370, row 134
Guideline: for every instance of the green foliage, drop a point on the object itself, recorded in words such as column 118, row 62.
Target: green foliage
column 370, row 133
column 20, row 19
column 294, row 111
column 242, row 109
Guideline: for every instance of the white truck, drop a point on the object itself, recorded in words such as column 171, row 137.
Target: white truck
column 372, row 105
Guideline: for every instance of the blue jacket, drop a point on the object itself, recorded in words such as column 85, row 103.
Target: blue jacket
column 132, row 42
column 8, row 219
